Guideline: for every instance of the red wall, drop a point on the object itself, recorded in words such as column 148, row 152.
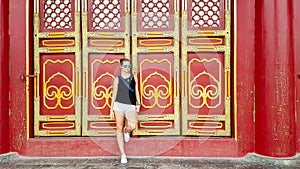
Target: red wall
column 245, row 74
column 17, row 29
column 297, row 67
column 4, row 78
column 243, row 126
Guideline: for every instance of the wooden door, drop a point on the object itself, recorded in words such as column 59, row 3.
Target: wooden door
column 180, row 51
column 155, row 56
column 57, row 68
column 105, row 40
column 206, row 68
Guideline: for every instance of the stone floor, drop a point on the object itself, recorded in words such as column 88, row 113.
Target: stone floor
column 251, row 161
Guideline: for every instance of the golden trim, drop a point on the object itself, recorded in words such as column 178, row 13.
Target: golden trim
column 155, row 34
column 191, row 125
column 38, row 6
column 101, row 118
column 57, row 133
column 155, row 131
column 184, row 83
column 142, row 41
column 57, row 118
column 56, row 35
column 102, row 127
column 126, row 6
column 235, row 70
column 85, row 5
column 56, row 50
column 106, row 49
column 143, row 123
column 207, row 133
column 77, row 6
column 206, row 33
column 34, row 87
column 175, row 83
column 77, row 83
column 220, row 40
column 155, row 49
column 206, row 47
column 107, row 40
column 69, row 127
column 38, row 84
column 106, row 34
column 228, row 83
column 86, row 89
column 58, row 40
column 134, row 6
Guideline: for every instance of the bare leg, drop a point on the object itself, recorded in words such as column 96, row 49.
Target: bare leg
column 120, row 125
column 131, row 121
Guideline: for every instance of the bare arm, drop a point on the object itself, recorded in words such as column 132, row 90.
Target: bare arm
column 114, row 95
column 137, row 93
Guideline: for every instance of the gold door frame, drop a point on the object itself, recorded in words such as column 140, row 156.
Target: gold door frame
column 56, row 42
column 81, row 74
column 102, row 36
column 170, row 36
column 211, row 125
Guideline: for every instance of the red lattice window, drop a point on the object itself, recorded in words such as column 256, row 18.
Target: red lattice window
column 155, row 14
column 206, row 14
column 106, row 14
column 57, row 14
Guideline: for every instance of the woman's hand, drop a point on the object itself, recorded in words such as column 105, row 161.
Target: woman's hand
column 112, row 114
column 137, row 108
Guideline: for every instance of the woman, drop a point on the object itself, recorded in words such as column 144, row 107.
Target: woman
column 125, row 104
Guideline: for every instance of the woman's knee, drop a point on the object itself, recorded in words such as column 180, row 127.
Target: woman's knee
column 131, row 126
column 120, row 129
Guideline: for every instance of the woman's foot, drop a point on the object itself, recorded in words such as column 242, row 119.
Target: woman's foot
column 123, row 159
column 126, row 135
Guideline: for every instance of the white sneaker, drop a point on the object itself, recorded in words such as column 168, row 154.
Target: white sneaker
column 126, row 136
column 123, row 159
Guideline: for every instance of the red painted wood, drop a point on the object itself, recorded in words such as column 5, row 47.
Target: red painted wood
column 212, row 147
column 297, row 62
column 4, row 79
column 245, row 75
column 151, row 146
column 275, row 108
column 17, row 54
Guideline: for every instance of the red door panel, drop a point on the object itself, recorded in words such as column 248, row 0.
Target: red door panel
column 57, row 68
column 105, row 36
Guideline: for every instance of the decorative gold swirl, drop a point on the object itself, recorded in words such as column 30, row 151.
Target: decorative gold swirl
column 62, row 93
column 149, row 91
column 208, row 92
column 100, row 92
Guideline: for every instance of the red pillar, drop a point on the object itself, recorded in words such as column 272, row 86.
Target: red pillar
column 4, row 78
column 275, row 83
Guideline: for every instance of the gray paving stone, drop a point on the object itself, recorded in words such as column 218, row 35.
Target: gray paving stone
column 251, row 161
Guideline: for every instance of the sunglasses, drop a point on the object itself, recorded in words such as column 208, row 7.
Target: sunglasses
column 126, row 66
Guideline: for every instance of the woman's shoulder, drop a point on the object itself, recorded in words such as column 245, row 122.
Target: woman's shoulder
column 116, row 79
column 134, row 76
